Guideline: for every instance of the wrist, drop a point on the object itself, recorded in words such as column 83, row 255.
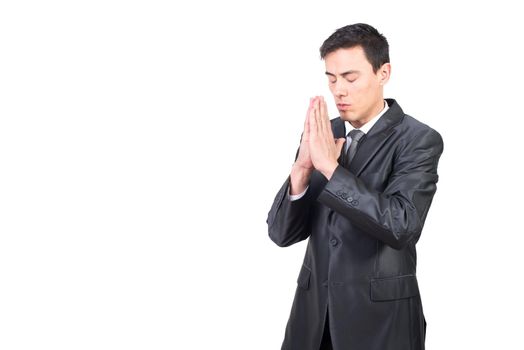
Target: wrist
column 329, row 170
column 299, row 179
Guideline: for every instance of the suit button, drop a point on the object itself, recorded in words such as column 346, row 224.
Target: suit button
column 325, row 284
column 333, row 242
column 354, row 203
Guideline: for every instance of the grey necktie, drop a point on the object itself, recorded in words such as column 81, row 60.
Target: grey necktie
column 355, row 135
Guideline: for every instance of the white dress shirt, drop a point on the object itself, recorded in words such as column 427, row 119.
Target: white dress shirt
column 364, row 128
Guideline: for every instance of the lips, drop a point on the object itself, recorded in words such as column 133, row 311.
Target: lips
column 343, row 106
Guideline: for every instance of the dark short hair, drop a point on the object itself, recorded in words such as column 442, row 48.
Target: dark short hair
column 373, row 43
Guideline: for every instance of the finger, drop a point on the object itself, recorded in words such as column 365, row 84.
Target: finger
column 310, row 104
column 306, row 122
column 323, row 109
column 313, row 118
column 320, row 122
column 328, row 122
column 325, row 118
column 320, row 126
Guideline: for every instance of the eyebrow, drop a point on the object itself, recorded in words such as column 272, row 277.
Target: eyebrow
column 344, row 74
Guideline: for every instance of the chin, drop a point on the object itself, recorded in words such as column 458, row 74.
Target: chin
column 347, row 116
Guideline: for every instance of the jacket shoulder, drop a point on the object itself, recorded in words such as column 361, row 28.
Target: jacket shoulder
column 414, row 128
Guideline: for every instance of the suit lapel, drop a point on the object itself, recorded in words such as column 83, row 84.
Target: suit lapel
column 371, row 143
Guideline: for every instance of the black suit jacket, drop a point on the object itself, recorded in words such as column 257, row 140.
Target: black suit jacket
column 362, row 225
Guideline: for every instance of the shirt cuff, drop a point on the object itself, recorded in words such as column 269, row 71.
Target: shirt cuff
column 294, row 197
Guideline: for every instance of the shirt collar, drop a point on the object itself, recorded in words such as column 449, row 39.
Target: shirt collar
column 366, row 127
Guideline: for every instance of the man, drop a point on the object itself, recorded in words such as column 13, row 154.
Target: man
column 362, row 202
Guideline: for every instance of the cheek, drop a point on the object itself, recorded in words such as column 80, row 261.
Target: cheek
column 355, row 91
column 363, row 90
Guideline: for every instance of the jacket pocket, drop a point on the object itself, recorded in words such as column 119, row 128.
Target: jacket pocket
column 393, row 288
column 303, row 277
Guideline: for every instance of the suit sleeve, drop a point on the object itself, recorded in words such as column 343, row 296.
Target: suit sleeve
column 288, row 220
column 396, row 215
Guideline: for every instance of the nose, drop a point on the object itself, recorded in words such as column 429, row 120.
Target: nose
column 339, row 89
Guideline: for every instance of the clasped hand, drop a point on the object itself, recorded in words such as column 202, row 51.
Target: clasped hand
column 318, row 148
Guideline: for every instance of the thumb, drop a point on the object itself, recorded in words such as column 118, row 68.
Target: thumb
column 339, row 143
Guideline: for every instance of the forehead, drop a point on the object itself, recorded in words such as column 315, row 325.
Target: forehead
column 347, row 59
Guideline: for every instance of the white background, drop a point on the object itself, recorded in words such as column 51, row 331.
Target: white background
column 142, row 144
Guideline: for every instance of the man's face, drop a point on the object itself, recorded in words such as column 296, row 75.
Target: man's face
column 358, row 91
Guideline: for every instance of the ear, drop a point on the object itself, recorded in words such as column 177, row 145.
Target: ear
column 384, row 73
